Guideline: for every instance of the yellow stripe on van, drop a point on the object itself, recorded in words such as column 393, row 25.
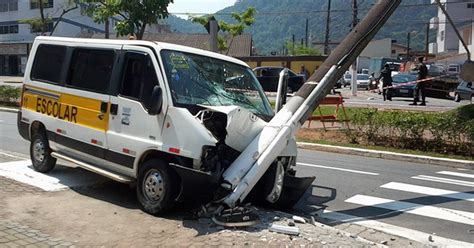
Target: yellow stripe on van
column 72, row 108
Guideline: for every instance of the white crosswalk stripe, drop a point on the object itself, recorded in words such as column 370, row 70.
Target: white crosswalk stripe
column 464, row 217
column 444, row 180
column 413, row 208
column 457, row 174
column 428, row 191
column 396, row 230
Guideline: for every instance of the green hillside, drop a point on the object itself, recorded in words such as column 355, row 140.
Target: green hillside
column 277, row 20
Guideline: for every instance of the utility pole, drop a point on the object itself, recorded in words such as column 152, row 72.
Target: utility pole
column 427, row 40
column 306, row 33
column 213, row 30
column 293, row 39
column 326, row 38
column 408, row 45
column 354, row 65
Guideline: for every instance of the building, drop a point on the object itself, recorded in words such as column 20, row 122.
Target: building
column 16, row 37
column 447, row 43
column 384, row 48
column 240, row 46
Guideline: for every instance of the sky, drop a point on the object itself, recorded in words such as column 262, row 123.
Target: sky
column 198, row 6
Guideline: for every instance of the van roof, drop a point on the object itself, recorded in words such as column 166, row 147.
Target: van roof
column 159, row 45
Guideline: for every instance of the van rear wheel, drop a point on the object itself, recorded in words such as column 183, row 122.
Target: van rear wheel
column 40, row 153
column 156, row 187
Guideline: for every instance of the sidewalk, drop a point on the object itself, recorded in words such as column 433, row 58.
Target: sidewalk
column 107, row 214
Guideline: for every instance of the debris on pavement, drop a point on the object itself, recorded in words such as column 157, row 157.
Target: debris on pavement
column 285, row 229
column 299, row 219
column 291, row 222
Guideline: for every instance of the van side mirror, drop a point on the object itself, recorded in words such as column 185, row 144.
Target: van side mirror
column 156, row 101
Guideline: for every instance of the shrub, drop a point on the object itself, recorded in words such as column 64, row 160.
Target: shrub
column 446, row 132
column 9, row 93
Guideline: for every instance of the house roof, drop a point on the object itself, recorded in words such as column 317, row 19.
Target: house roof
column 241, row 46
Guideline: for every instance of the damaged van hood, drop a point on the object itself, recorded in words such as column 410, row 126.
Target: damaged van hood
column 242, row 125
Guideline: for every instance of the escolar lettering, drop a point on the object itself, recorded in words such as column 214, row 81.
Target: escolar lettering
column 49, row 107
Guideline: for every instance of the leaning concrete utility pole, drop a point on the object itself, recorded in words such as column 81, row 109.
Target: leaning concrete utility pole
column 242, row 175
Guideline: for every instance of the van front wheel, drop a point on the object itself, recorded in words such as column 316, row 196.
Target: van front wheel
column 156, row 187
column 40, row 153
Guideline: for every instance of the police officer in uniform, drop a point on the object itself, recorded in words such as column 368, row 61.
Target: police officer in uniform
column 420, row 86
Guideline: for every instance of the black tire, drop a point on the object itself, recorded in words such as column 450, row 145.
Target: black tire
column 156, row 187
column 40, row 153
column 457, row 97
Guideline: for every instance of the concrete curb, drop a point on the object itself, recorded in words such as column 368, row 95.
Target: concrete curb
column 11, row 110
column 455, row 163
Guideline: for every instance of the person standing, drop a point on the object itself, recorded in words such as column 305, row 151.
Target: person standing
column 304, row 72
column 420, row 86
column 386, row 76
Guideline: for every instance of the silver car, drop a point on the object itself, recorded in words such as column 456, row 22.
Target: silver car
column 464, row 91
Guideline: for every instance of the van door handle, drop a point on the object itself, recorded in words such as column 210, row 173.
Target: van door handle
column 100, row 116
column 113, row 109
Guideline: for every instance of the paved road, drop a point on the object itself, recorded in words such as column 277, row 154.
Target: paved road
column 407, row 199
column 365, row 98
column 411, row 199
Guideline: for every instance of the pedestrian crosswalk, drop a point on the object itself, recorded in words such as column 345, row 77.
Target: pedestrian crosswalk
column 421, row 196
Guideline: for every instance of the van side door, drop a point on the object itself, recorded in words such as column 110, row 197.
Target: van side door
column 132, row 130
column 85, row 98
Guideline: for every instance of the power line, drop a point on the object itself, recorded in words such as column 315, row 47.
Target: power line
column 316, row 11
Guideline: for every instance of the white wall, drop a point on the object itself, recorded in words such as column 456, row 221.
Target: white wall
column 64, row 29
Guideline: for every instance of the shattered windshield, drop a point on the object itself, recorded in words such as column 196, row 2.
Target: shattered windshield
column 196, row 79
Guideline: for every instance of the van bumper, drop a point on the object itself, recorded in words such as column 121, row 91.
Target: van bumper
column 196, row 186
column 23, row 127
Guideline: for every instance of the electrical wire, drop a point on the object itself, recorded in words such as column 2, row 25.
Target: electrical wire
column 315, row 11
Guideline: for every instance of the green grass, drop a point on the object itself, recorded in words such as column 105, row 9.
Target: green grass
column 387, row 149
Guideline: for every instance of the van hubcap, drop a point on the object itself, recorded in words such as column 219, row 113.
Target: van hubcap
column 38, row 150
column 153, row 185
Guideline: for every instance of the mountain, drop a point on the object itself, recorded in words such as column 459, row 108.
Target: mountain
column 277, row 20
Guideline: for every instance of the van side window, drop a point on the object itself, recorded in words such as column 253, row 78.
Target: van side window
column 139, row 78
column 91, row 69
column 48, row 63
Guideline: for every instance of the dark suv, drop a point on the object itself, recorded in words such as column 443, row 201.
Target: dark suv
column 268, row 77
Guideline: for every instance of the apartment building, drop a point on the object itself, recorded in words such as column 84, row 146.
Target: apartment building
column 447, row 42
column 16, row 37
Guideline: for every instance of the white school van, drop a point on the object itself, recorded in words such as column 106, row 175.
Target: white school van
column 169, row 118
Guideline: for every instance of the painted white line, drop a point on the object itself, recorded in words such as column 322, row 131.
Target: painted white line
column 21, row 171
column 413, row 208
column 456, row 174
column 411, row 234
column 444, row 180
column 58, row 179
column 428, row 191
column 339, row 169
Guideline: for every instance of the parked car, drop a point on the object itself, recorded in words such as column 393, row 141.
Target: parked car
column 401, row 90
column 346, row 79
column 464, row 91
column 268, row 77
column 363, row 81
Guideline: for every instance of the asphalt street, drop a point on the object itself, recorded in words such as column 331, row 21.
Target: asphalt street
column 412, row 200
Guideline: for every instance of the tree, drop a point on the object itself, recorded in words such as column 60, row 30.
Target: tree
column 133, row 15
column 40, row 25
column 243, row 20
column 295, row 49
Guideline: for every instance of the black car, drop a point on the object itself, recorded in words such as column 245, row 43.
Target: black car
column 464, row 91
column 400, row 88
column 268, row 77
